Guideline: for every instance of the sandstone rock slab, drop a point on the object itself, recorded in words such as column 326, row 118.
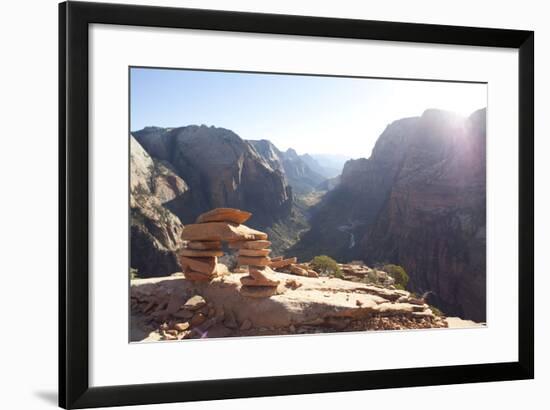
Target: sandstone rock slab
column 264, row 274
column 282, row 263
column 304, row 302
column 204, row 245
column 220, row 231
column 198, row 276
column 224, row 215
column 254, row 252
column 203, row 264
column 194, row 303
column 298, row 271
column 195, row 253
column 259, row 244
column 253, row 260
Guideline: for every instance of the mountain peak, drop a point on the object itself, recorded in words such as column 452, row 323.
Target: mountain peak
column 291, row 153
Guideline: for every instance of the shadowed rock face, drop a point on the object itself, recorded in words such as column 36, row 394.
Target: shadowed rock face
column 434, row 220
column 221, row 170
column 155, row 232
column 418, row 201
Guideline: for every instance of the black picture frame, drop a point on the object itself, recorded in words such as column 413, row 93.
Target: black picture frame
column 74, row 388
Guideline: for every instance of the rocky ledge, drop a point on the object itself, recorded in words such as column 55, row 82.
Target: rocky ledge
column 175, row 308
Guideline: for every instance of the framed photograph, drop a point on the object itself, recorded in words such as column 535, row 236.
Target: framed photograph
column 257, row 204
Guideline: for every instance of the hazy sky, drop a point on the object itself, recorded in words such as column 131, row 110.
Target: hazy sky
column 307, row 113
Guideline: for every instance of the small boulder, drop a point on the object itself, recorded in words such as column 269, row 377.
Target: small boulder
column 298, row 270
column 292, row 284
column 180, row 327
column 194, row 303
column 282, row 263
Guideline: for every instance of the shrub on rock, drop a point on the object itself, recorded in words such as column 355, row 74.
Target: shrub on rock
column 325, row 265
column 398, row 273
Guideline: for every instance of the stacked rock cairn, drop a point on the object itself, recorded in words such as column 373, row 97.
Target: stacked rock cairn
column 199, row 258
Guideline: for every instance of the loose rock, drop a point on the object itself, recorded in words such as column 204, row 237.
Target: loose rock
column 194, row 303
column 298, row 270
column 282, row 263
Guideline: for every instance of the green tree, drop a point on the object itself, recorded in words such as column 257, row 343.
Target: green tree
column 398, row 273
column 325, row 265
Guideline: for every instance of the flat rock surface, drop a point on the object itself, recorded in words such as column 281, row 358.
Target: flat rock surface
column 458, row 323
column 315, row 301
